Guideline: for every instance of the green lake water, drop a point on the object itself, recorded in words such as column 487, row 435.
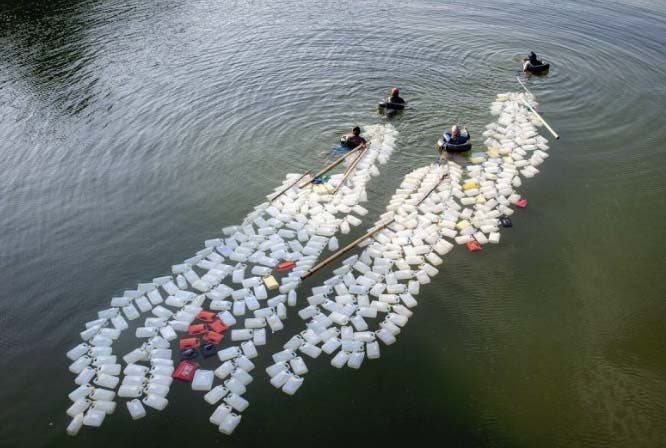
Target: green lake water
column 130, row 132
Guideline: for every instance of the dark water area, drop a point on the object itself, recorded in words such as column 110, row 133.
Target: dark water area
column 130, row 132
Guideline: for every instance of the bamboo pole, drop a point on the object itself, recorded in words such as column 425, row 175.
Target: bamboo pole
column 442, row 156
column 523, row 85
column 360, row 154
column 350, row 170
column 354, row 243
column 332, row 165
column 541, row 119
column 289, row 187
column 346, row 249
column 444, row 176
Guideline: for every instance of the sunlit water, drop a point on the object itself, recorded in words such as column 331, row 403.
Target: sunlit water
column 132, row 131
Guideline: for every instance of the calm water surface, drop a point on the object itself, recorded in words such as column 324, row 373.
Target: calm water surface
column 131, row 131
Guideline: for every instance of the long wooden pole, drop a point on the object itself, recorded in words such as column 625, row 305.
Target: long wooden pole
column 354, row 243
column 332, row 165
column 290, row 186
column 349, row 171
column 442, row 156
column 541, row 119
column 360, row 154
column 346, row 249
column 523, row 85
column 444, row 176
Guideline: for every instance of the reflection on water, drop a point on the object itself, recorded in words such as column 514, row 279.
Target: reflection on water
column 133, row 131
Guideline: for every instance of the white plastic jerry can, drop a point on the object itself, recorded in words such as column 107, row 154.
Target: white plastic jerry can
column 235, row 386
column 215, row 394
column 356, row 359
column 242, row 376
column 136, row 409
column 107, row 381
column 292, row 385
column 102, row 394
column 78, row 407
column 340, row 359
column 372, row 349
column 229, row 423
column 85, row 376
column 298, row 366
column 237, row 402
column 155, row 402
column 94, row 417
column 78, row 351
column 75, row 425
column 220, row 412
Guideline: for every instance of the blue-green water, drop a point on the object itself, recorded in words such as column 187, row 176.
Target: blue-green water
column 132, row 131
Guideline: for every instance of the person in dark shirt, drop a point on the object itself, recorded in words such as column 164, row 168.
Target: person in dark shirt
column 533, row 59
column 355, row 139
column 395, row 99
column 456, row 137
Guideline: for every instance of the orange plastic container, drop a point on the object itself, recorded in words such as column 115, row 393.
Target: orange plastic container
column 213, row 337
column 206, row 316
column 286, row 266
column 522, row 203
column 473, row 246
column 197, row 329
column 189, row 343
column 217, row 326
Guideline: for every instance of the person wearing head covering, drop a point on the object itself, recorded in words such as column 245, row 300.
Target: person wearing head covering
column 355, row 138
column 395, row 97
column 533, row 59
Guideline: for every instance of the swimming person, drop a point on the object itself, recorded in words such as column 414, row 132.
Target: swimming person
column 455, row 138
column 355, row 139
column 533, row 59
column 395, row 99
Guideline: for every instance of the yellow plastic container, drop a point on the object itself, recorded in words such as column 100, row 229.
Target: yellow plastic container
column 270, row 282
column 322, row 189
column 462, row 225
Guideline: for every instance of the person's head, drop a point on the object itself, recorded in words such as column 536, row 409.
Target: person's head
column 455, row 131
column 532, row 55
column 356, row 130
column 395, row 91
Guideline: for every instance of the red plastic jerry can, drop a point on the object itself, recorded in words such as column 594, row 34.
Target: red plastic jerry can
column 217, row 326
column 213, row 337
column 473, row 246
column 206, row 316
column 185, row 371
column 189, row 343
column 286, row 266
column 196, row 329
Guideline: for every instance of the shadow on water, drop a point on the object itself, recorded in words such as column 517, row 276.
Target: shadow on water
column 47, row 49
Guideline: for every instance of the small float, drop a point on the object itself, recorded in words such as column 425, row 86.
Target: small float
column 535, row 69
column 388, row 105
column 390, row 108
column 465, row 146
